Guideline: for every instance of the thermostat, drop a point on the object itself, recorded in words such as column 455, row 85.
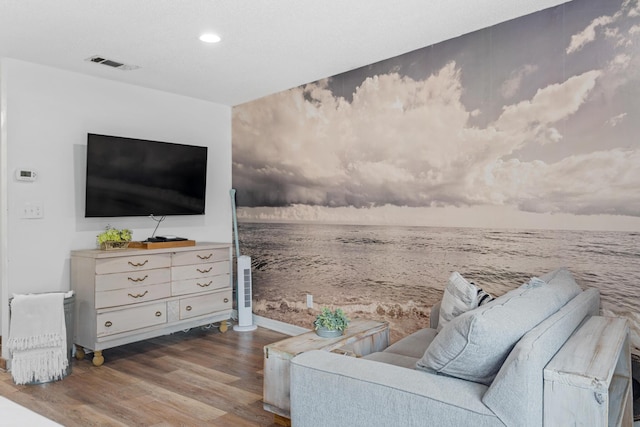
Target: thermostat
column 28, row 175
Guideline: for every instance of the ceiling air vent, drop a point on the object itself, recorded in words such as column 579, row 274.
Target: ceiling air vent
column 111, row 63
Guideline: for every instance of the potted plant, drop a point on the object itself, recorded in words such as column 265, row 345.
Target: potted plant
column 330, row 324
column 113, row 238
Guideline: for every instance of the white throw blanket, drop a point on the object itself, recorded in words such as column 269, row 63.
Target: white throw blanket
column 38, row 338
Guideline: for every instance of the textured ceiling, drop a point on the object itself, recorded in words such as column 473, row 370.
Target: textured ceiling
column 267, row 46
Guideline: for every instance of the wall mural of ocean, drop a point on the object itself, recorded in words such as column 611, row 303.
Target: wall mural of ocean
column 501, row 154
column 398, row 273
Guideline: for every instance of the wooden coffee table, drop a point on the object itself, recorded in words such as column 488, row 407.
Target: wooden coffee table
column 362, row 337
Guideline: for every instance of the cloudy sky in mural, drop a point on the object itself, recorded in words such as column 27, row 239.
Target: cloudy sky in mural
column 534, row 121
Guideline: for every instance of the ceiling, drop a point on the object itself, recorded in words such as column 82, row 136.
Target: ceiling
column 266, row 47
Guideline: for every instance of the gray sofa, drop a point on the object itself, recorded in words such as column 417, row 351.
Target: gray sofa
column 493, row 376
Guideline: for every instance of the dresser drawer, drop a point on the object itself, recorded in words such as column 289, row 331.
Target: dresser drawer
column 132, row 263
column 199, row 270
column 130, row 319
column 132, row 295
column 191, row 286
column 205, row 304
column 200, row 257
column 107, row 282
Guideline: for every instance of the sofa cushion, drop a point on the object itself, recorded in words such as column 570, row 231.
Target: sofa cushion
column 474, row 345
column 413, row 345
column 328, row 389
column 459, row 297
column 393, row 359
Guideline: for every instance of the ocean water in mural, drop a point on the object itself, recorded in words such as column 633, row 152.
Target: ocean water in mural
column 397, row 273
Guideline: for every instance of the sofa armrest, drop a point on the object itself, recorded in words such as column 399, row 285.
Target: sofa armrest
column 334, row 390
column 434, row 315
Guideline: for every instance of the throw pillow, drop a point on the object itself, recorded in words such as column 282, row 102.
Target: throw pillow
column 459, row 297
column 474, row 345
column 484, row 297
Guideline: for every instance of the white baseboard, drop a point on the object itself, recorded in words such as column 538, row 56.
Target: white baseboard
column 274, row 325
column 278, row 326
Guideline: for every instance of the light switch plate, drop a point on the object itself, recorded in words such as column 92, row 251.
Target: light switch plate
column 33, row 210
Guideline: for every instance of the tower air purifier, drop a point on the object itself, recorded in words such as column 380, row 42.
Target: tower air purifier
column 245, row 314
column 243, row 276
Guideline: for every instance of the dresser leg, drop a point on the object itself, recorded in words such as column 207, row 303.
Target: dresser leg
column 98, row 359
column 223, row 326
column 79, row 352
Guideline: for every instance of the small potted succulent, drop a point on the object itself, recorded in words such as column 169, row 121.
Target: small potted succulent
column 113, row 238
column 331, row 324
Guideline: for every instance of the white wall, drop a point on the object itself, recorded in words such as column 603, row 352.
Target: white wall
column 47, row 114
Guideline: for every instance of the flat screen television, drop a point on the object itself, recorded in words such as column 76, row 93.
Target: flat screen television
column 136, row 177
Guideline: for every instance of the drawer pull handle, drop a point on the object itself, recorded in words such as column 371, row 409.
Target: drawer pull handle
column 140, row 279
column 139, row 295
column 204, row 271
column 205, row 257
column 226, row 300
column 188, row 308
column 108, row 324
column 138, row 264
column 204, row 285
column 158, row 314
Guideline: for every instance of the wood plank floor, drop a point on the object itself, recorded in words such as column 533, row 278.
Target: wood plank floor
column 197, row 378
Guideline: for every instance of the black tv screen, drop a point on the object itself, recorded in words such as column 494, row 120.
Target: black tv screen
column 136, row 177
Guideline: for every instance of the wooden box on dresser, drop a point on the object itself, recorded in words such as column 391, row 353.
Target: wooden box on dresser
column 130, row 295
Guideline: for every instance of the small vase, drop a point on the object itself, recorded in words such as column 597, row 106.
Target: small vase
column 328, row 333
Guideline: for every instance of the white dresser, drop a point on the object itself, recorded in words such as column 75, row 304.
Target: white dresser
column 129, row 295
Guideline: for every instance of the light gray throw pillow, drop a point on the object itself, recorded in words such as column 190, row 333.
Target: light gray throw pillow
column 474, row 345
column 459, row 297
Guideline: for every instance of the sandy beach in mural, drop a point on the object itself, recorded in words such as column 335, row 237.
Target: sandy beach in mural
column 398, row 273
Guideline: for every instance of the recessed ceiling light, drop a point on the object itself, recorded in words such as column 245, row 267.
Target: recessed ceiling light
column 210, row 38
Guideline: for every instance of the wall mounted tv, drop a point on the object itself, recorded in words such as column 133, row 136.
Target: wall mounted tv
column 136, row 177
